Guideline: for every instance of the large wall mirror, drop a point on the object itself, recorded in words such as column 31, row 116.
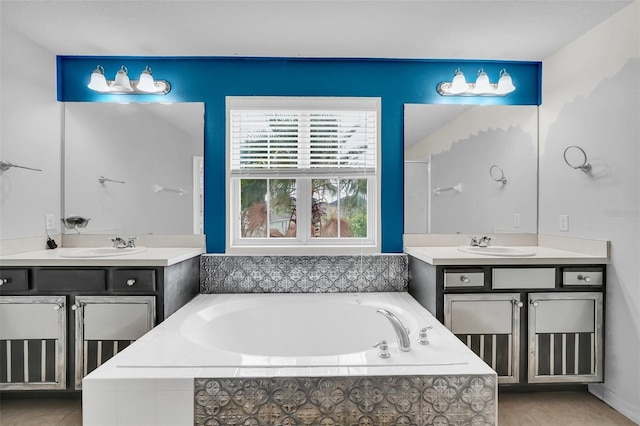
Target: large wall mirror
column 470, row 169
column 134, row 169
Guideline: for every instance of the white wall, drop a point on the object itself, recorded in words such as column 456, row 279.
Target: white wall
column 591, row 98
column 30, row 127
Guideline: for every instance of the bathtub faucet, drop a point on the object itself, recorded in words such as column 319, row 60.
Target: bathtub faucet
column 401, row 331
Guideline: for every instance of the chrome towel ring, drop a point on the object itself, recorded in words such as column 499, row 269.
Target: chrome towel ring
column 585, row 166
column 497, row 174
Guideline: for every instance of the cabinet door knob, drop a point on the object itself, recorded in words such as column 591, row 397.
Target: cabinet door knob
column 517, row 303
column 3, row 281
column 131, row 282
column 57, row 307
column 464, row 279
column 585, row 278
column 75, row 307
column 535, row 303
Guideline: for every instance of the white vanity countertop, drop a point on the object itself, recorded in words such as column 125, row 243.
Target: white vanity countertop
column 438, row 255
column 152, row 256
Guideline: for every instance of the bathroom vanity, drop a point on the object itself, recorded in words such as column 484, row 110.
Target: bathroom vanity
column 62, row 317
column 535, row 319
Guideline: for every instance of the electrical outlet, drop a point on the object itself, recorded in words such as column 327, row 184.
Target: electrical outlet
column 564, row 222
column 49, row 222
column 516, row 220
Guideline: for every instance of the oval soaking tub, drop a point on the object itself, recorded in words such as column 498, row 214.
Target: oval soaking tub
column 262, row 330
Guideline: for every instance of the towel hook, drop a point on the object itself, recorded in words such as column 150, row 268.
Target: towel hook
column 585, row 166
column 494, row 170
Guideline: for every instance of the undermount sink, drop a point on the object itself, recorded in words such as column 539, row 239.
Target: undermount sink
column 103, row 252
column 497, row 251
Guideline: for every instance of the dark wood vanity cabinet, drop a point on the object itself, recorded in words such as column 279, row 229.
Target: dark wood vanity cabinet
column 533, row 324
column 57, row 324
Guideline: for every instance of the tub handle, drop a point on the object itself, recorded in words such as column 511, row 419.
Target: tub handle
column 384, row 349
column 422, row 336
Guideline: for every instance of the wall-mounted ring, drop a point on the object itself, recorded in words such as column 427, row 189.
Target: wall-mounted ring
column 585, row 166
column 497, row 174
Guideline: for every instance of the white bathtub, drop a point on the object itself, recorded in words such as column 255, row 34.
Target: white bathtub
column 266, row 335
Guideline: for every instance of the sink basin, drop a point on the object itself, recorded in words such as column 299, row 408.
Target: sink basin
column 103, row 252
column 497, row 251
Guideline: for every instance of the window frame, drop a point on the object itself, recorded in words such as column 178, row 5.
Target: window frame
column 302, row 243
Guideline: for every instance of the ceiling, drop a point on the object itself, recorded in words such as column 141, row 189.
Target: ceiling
column 527, row 30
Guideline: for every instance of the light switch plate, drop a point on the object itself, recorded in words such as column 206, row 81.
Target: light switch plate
column 564, row 222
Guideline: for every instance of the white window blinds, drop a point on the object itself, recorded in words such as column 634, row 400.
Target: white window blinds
column 303, row 142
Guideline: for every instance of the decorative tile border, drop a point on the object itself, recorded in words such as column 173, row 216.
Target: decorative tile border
column 348, row 401
column 303, row 274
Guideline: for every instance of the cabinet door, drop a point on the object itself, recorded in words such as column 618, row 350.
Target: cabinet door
column 489, row 324
column 105, row 325
column 565, row 337
column 33, row 332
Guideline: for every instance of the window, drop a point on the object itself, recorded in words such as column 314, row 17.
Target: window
column 303, row 172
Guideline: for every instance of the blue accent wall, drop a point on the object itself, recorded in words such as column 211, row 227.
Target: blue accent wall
column 210, row 79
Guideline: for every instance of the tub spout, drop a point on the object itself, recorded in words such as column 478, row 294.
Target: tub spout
column 401, row 331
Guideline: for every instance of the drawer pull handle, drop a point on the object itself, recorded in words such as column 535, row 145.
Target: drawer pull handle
column 3, row 281
column 585, row 278
column 517, row 303
column 535, row 303
column 465, row 279
column 131, row 282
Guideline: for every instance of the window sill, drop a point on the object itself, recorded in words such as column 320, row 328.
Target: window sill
column 302, row 250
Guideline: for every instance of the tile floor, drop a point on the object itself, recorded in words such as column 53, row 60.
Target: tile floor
column 514, row 409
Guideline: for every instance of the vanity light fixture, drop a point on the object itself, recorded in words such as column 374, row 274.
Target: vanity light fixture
column 122, row 85
column 482, row 86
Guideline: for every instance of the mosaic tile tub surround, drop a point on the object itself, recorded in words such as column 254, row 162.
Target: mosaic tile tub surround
column 347, row 401
column 303, row 274
column 394, row 400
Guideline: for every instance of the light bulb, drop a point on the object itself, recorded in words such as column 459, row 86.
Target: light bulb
column 505, row 84
column 146, row 82
column 98, row 81
column 459, row 84
column 122, row 83
column 482, row 86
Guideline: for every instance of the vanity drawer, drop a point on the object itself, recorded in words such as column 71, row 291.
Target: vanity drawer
column 523, row 278
column 454, row 278
column 582, row 277
column 14, row 280
column 71, row 279
column 133, row 280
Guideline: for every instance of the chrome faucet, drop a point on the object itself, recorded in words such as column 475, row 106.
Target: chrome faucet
column 121, row 243
column 402, row 332
column 480, row 242
column 484, row 241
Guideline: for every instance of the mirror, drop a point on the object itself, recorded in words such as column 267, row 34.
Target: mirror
column 470, row 169
column 134, row 169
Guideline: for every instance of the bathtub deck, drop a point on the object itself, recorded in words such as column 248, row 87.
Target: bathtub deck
column 125, row 392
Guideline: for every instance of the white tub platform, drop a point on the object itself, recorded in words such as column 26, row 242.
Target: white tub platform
column 177, row 375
